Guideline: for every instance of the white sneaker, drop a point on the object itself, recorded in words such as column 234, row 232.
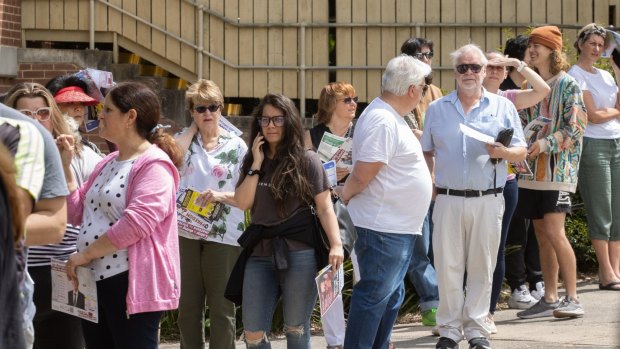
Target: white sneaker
column 539, row 292
column 521, row 299
column 490, row 324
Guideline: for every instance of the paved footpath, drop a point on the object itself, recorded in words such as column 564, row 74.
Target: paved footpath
column 599, row 328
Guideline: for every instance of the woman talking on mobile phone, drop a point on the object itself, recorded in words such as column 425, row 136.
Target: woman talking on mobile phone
column 279, row 182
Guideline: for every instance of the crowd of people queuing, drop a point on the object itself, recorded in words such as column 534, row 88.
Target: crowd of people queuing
column 118, row 214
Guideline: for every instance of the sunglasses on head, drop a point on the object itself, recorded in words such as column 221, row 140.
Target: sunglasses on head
column 421, row 55
column 203, row 108
column 41, row 114
column 593, row 30
column 463, row 68
column 349, row 100
column 264, row 121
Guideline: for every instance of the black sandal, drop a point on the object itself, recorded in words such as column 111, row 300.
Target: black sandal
column 610, row 286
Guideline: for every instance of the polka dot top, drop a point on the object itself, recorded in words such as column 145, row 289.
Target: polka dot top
column 103, row 206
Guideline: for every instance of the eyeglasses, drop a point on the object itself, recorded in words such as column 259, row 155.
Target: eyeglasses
column 349, row 100
column 463, row 68
column 203, row 108
column 421, row 55
column 278, row 121
column 41, row 114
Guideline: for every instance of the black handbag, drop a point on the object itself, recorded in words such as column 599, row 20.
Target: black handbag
column 348, row 234
column 504, row 137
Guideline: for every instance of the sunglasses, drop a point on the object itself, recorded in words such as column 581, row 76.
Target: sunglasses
column 496, row 67
column 41, row 114
column 421, row 55
column 463, row 68
column 264, row 121
column 203, row 108
column 349, row 100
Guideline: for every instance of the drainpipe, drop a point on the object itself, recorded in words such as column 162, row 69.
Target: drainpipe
column 302, row 70
column 115, row 48
column 91, row 29
column 199, row 57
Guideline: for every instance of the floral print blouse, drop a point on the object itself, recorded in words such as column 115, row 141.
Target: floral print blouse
column 218, row 170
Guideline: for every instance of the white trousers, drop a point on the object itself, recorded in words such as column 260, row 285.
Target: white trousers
column 466, row 237
column 333, row 320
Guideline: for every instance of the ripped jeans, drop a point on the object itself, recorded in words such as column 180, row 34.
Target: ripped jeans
column 262, row 287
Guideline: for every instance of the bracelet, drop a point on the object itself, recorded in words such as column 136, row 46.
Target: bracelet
column 521, row 66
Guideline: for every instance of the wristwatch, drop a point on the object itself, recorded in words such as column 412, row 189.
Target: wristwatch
column 252, row 172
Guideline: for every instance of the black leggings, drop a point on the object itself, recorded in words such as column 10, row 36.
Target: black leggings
column 115, row 329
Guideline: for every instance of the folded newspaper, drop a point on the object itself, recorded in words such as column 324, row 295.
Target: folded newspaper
column 330, row 169
column 612, row 40
column 522, row 168
column 78, row 300
column 336, row 148
column 536, row 130
column 195, row 219
column 329, row 285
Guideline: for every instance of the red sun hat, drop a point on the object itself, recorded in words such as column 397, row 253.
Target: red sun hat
column 74, row 94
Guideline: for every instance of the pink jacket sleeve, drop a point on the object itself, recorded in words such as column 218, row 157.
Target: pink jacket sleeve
column 151, row 197
column 75, row 206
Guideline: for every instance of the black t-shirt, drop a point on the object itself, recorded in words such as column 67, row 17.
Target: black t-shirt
column 508, row 84
column 265, row 211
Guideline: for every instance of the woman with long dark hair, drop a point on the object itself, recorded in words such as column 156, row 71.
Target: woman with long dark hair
column 283, row 184
column 127, row 212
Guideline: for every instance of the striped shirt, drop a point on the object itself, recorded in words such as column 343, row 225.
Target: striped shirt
column 25, row 143
column 81, row 166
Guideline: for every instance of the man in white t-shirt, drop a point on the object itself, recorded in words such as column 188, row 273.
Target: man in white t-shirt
column 388, row 194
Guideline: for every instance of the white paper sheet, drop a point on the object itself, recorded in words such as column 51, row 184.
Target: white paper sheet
column 477, row 135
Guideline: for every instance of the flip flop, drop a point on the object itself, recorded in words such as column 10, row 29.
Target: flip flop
column 610, row 286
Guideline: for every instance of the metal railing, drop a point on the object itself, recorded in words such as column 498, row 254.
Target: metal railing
column 301, row 67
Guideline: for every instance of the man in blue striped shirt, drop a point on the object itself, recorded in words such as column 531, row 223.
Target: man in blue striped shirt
column 469, row 205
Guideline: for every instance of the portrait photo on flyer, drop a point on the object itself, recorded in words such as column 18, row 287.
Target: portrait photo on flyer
column 79, row 299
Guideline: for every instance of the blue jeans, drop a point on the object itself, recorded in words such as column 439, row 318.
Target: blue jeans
column 421, row 272
column 511, row 194
column 262, row 287
column 383, row 260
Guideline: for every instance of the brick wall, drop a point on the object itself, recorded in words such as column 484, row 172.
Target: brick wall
column 42, row 73
column 10, row 23
column 37, row 72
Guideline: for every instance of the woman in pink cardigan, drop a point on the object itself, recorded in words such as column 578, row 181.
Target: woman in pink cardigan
column 127, row 212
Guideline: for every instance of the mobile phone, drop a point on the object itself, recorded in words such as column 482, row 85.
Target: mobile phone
column 615, row 55
column 262, row 146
